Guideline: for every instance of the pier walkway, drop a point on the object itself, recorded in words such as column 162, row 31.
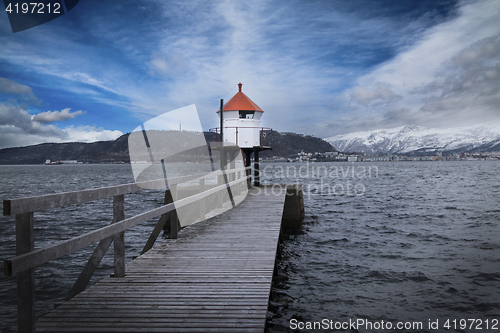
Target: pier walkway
column 215, row 277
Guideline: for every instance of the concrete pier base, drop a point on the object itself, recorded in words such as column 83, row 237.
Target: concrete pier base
column 293, row 211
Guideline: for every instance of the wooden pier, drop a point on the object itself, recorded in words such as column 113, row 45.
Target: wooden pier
column 216, row 276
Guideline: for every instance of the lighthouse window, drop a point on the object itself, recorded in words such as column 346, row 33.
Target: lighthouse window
column 246, row 114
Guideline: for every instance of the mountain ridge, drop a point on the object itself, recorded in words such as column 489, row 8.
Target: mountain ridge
column 116, row 151
column 412, row 139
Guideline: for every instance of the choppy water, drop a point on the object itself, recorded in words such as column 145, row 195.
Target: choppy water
column 418, row 241
column 396, row 242
column 55, row 279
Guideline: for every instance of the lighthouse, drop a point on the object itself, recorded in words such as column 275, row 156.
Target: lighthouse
column 241, row 121
column 242, row 128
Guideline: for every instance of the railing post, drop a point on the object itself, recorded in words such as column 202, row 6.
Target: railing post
column 203, row 203
column 119, row 241
column 25, row 242
column 174, row 225
column 238, row 187
column 232, row 165
column 256, row 172
column 262, row 137
column 174, row 218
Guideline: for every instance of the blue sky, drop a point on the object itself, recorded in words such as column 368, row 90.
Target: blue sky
column 316, row 67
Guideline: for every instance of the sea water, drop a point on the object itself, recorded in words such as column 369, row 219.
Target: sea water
column 412, row 242
column 409, row 242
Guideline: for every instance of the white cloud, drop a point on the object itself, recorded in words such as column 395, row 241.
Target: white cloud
column 12, row 87
column 15, row 119
column 170, row 65
column 90, row 134
column 449, row 78
column 52, row 116
column 277, row 81
column 17, row 128
column 380, row 92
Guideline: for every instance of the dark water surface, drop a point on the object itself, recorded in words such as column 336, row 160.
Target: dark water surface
column 55, row 279
column 418, row 241
column 399, row 242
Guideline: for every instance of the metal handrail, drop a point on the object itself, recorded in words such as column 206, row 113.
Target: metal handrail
column 216, row 130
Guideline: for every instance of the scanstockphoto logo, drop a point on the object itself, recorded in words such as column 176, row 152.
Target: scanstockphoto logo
column 170, row 152
column 333, row 180
column 28, row 14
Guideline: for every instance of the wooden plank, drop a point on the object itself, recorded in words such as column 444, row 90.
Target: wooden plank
column 194, row 290
column 25, row 242
column 156, row 232
column 151, row 330
column 90, row 267
column 119, row 239
column 34, row 204
column 179, row 308
column 163, row 289
column 179, row 327
column 148, row 316
column 159, row 225
column 180, row 305
column 22, row 205
column 213, row 322
column 144, row 322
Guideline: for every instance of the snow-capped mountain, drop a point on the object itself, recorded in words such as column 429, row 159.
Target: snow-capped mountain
column 417, row 139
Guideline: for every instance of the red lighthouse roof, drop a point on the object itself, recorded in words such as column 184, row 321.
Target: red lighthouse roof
column 241, row 102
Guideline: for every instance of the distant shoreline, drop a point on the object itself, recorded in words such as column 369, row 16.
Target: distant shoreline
column 262, row 161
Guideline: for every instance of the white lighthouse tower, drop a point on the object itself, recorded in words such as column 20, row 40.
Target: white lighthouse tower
column 242, row 128
column 241, row 121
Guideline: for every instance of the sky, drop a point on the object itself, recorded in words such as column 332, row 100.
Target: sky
column 317, row 67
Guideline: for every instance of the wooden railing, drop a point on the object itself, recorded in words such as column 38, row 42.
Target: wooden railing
column 27, row 258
